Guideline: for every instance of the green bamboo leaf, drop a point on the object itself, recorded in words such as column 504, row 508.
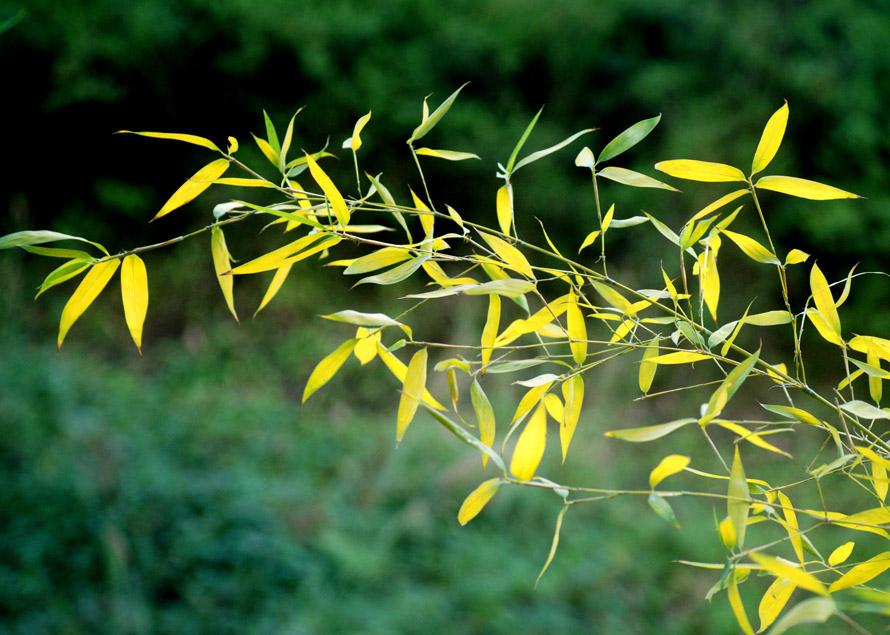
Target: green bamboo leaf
column 554, row 544
column 366, row 319
column 65, row 272
column 634, row 179
column 222, row 263
column 51, row 252
column 521, row 142
column 663, row 508
column 865, row 410
column 38, row 237
column 540, row 154
column 271, row 135
column 448, row 155
column 628, row 139
column 811, row 611
column 429, row 122
column 648, row 433
column 736, row 509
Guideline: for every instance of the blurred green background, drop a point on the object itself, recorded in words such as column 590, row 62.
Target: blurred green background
column 188, row 491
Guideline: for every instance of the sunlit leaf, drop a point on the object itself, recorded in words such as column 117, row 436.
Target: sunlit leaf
column 770, row 140
column 577, row 330
column 679, row 357
column 477, row 500
column 796, row 256
column 366, row 319
column 505, row 208
column 840, row 555
column 341, row 211
column 528, row 130
column 589, row 240
column 240, row 182
column 412, row 392
column 355, row 141
column 187, row 138
column 448, row 155
column 530, row 447
column 791, row 526
column 191, row 189
column 490, row 330
column 823, row 299
column 753, row 249
column 222, row 263
column 65, row 272
column 796, row 574
column 720, row 202
column 669, row 465
column 90, row 287
column 328, row 367
column 738, row 609
column 399, row 370
column 647, row 368
column 628, row 139
column 774, row 600
column 509, row 254
column 751, row 437
column 134, row 292
column 824, row 329
column 700, row 170
column 634, row 179
column 396, row 274
column 24, row 238
column 802, row 188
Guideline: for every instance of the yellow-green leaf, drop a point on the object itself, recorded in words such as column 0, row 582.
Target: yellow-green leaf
column 355, row 141
column 187, row 138
column 720, row 202
column 648, row 433
column 573, row 394
column 802, row 188
column 431, row 120
column 738, row 608
column 330, row 191
column 191, row 189
column 278, row 257
column 737, row 499
column 751, row 437
column 397, row 368
column 840, row 555
column 134, row 292
column 490, row 331
column 669, row 465
column 222, row 262
column 774, row 600
column 862, row 573
column 700, row 170
column 577, row 330
column 509, row 254
column 241, row 182
column 478, row 499
column 791, row 526
column 797, row 575
column 823, row 299
column 825, row 330
column 770, row 140
column 879, row 474
column 647, row 368
column 448, row 155
column 753, row 249
column 530, row 447
column 412, row 392
column 727, row 533
column 328, row 367
column 90, row 287
column 484, row 417
column 812, row 611
column 634, row 179
column 277, row 280
column 554, row 544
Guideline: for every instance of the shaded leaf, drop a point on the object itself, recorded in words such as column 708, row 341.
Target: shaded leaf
column 37, row 237
column 448, row 155
column 554, row 544
column 812, row 611
column 484, row 416
column 663, row 508
column 737, row 499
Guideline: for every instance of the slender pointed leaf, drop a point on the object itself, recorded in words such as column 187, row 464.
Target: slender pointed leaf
column 134, row 292
column 628, row 139
column 91, row 286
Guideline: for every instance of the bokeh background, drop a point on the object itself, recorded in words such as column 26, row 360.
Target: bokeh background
column 188, row 491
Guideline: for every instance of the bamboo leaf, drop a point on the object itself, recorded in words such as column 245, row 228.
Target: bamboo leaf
column 448, row 155
column 634, row 179
column 52, row 252
column 825, row 330
column 628, row 139
column 240, row 182
column 285, row 145
column 191, row 189
column 412, row 392
column 840, row 555
column 277, row 281
column 812, row 611
column 530, row 447
column 738, row 609
column 222, row 263
column 540, row 154
column 737, row 499
column 505, row 208
column 521, row 142
column 753, row 249
column 589, row 240
column 554, row 544
column 720, row 202
column 477, row 500
column 484, row 417
column 134, row 292
column 271, row 135
column 573, row 394
column 31, row 237
column 679, row 357
column 400, row 371
column 577, row 330
column 791, row 526
column 862, row 573
column 823, row 299
column 802, row 188
column 770, row 140
column 796, row 256
column 647, row 368
column 268, row 151
column 367, row 319
column 65, row 272
column 187, row 138
column 330, row 191
column 509, row 254
column 648, row 433
column 864, row 410
column 774, row 600
column 90, row 287
column 490, row 330
column 796, row 574
column 728, row 387
column 700, row 170
column 355, row 141
column 663, row 508
column 430, row 121
column 328, row 367
column 396, row 274
column 669, row 465
column 377, row 260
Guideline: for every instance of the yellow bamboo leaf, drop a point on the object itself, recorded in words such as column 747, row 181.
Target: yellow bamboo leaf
column 330, row 191
column 277, row 258
column 328, row 367
column 795, row 574
column 796, row 256
column 647, row 368
column 607, row 220
column 727, row 533
column 267, row 150
column 187, row 138
column 791, row 526
column 862, row 573
column 427, row 220
column 802, row 188
column 530, row 400
column 530, row 447
column 505, row 208
column 679, row 357
column 200, row 181
column 753, row 249
column 750, row 437
column 448, row 155
column 825, row 330
column 490, row 331
column 875, row 384
column 355, row 141
column 770, row 140
column 577, row 330
column 591, row 237
column 412, row 392
column 277, row 280
column 738, row 608
column 709, row 279
column 774, row 600
column 700, row 170
column 737, row 499
column 233, row 145
column 134, row 293
column 648, row 433
column 397, row 368
column 241, row 182
column 484, row 417
column 366, row 347
column 222, row 262
column 879, row 474
column 554, row 406
column 669, row 465
column 478, row 499
column 509, row 254
column 377, row 260
column 875, row 516
column 573, row 394
column 840, row 555
column 90, row 287
column 823, row 299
